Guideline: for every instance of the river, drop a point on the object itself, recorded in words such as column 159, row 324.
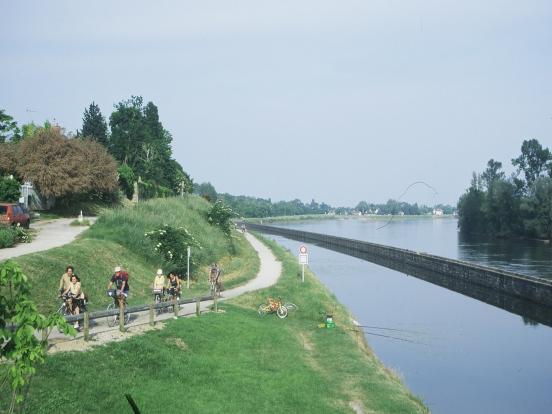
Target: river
column 459, row 355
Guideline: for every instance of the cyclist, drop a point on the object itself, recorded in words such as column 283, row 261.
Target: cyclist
column 65, row 279
column 214, row 277
column 173, row 285
column 158, row 285
column 74, row 296
column 120, row 279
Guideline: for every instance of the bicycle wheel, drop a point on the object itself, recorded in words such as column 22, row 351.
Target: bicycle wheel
column 282, row 312
column 63, row 310
column 291, row 306
column 111, row 319
column 262, row 310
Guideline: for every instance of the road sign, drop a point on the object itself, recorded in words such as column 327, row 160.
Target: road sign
column 304, row 259
column 303, row 249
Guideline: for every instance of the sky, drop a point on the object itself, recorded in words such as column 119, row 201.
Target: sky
column 336, row 101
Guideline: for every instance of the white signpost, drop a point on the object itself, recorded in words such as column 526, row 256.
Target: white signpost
column 188, row 271
column 303, row 260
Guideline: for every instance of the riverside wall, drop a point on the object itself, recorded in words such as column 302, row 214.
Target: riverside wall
column 531, row 289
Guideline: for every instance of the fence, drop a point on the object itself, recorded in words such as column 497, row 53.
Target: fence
column 86, row 317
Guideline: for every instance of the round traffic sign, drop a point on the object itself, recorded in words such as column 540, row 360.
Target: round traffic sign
column 303, row 249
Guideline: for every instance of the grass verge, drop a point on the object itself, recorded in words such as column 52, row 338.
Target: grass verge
column 232, row 362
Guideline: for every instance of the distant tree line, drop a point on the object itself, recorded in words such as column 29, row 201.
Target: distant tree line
column 246, row 206
column 519, row 205
column 98, row 160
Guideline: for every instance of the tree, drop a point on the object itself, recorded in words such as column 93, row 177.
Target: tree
column 540, row 208
column 492, row 173
column 8, row 128
column 220, row 215
column 471, row 216
column 533, row 161
column 20, row 348
column 363, row 207
column 8, row 158
column 127, row 132
column 94, row 125
column 10, row 189
column 64, row 168
column 207, row 191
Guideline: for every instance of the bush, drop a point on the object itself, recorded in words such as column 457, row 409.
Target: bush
column 10, row 189
column 126, row 180
column 220, row 215
column 7, row 237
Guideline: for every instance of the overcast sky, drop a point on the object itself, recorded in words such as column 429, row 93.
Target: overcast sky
column 338, row 101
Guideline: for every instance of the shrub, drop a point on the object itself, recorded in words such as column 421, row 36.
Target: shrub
column 220, row 215
column 10, row 189
column 7, row 237
column 126, row 180
column 172, row 243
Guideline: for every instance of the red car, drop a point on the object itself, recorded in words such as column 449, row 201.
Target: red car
column 12, row 214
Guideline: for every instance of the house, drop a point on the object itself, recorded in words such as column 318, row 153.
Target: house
column 438, row 212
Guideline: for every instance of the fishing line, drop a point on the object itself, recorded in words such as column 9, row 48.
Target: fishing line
column 392, row 337
column 390, row 329
column 404, row 192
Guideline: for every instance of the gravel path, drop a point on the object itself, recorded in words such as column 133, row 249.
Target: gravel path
column 100, row 333
column 49, row 234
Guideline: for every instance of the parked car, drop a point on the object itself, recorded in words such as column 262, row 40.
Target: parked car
column 13, row 214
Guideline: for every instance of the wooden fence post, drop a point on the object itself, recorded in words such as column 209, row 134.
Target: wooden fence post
column 198, row 306
column 215, row 301
column 176, row 307
column 45, row 338
column 151, row 315
column 121, row 316
column 86, row 326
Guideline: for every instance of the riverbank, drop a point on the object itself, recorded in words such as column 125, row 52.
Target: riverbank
column 313, row 217
column 234, row 361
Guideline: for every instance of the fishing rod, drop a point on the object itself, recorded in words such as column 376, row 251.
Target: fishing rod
column 404, row 192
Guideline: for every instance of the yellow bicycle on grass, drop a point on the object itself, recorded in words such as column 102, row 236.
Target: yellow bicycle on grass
column 275, row 306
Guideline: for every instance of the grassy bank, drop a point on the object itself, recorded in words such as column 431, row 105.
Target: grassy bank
column 232, row 362
column 117, row 238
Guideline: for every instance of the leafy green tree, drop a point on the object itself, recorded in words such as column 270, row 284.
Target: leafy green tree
column 177, row 179
column 126, row 180
column 127, row 132
column 20, row 348
column 10, row 189
column 363, row 207
column 94, row 125
column 9, row 131
column 539, row 205
column 533, row 161
column 471, row 215
column 207, row 191
column 492, row 173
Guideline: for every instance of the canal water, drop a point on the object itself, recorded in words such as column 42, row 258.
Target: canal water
column 458, row 354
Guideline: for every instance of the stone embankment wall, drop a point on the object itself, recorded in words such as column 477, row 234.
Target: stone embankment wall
column 533, row 289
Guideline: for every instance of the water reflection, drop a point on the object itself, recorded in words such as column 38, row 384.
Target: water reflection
column 529, row 257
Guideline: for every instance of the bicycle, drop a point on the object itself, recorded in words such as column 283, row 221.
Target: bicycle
column 118, row 300
column 273, row 306
column 64, row 309
column 158, row 297
column 215, row 286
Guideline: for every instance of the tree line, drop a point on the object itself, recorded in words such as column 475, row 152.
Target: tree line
column 246, row 206
column 98, row 160
column 516, row 206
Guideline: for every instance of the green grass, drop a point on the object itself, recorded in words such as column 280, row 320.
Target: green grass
column 232, row 362
column 117, row 238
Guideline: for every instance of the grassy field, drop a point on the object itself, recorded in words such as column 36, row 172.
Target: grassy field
column 117, row 238
column 231, row 362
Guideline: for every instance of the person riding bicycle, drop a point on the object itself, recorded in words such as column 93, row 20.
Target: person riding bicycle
column 173, row 285
column 159, row 284
column 214, row 277
column 120, row 279
column 74, row 297
column 65, row 279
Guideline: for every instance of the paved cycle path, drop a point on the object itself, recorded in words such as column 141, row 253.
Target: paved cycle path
column 49, row 234
column 269, row 272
